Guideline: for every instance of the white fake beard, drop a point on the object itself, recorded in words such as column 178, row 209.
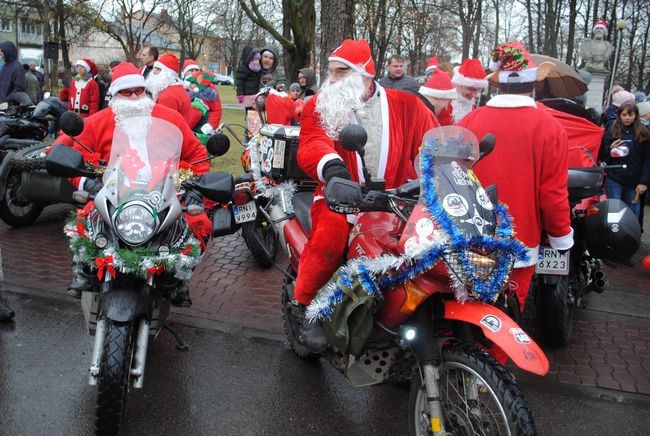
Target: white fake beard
column 125, row 108
column 461, row 107
column 157, row 83
column 338, row 101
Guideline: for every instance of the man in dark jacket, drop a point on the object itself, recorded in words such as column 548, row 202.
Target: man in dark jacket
column 269, row 59
column 396, row 78
column 12, row 77
column 31, row 85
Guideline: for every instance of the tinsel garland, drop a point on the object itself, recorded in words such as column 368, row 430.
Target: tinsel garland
column 182, row 257
column 388, row 271
column 281, row 193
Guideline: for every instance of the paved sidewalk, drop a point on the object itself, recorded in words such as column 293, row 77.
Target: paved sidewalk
column 610, row 349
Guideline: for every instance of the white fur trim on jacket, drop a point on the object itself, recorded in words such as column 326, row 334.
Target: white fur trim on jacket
column 126, row 82
column 361, row 70
column 321, row 163
column 469, row 82
column 531, row 258
column 449, row 94
column 385, row 133
column 511, row 101
column 561, row 242
column 525, row 76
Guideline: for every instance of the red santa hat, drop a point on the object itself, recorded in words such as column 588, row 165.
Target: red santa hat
column 189, row 64
column 169, row 63
column 511, row 63
column 439, row 86
column 125, row 76
column 470, row 74
column 356, row 55
column 432, row 64
column 600, row 24
column 88, row 65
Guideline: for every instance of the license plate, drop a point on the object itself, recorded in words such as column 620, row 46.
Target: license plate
column 245, row 213
column 551, row 261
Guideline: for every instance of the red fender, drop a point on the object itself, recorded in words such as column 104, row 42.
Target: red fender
column 503, row 331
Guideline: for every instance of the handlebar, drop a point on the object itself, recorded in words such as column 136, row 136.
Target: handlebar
column 228, row 127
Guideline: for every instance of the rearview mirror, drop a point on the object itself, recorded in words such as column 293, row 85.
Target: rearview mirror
column 486, row 146
column 63, row 161
column 4, row 106
column 353, row 138
column 71, row 123
column 218, row 144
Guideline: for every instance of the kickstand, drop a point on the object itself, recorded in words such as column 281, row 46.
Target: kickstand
column 180, row 344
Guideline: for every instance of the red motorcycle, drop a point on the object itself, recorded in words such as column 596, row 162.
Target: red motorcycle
column 415, row 302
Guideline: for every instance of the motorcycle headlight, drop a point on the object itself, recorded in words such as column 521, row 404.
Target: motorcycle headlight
column 135, row 223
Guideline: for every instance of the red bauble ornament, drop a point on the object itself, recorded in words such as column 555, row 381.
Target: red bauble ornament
column 646, row 263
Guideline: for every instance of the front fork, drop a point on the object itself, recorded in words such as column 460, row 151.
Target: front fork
column 431, row 379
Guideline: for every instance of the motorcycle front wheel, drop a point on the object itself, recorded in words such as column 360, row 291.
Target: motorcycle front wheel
column 479, row 396
column 113, row 384
column 15, row 210
column 261, row 240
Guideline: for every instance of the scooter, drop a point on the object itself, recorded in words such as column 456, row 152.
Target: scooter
column 427, row 263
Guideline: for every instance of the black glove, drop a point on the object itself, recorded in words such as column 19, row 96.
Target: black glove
column 335, row 168
column 192, row 197
column 93, row 186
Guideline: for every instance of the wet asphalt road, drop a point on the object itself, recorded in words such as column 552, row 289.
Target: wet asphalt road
column 232, row 385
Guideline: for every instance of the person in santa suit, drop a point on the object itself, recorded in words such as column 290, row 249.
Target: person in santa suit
column 206, row 99
column 167, row 89
column 395, row 122
column 438, row 93
column 533, row 142
column 469, row 81
column 128, row 100
column 83, row 96
column 189, row 67
column 432, row 65
column 279, row 107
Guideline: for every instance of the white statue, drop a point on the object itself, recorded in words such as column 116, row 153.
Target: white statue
column 596, row 51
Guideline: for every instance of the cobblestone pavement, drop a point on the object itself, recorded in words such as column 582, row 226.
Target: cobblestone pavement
column 610, row 349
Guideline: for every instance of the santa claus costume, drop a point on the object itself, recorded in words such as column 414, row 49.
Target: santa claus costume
column 529, row 162
column 83, row 96
column 470, row 75
column 205, row 97
column 432, row 64
column 439, row 92
column 280, row 108
column 395, row 122
column 167, row 89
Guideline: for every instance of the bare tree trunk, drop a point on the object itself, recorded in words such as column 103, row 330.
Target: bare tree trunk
column 531, row 37
column 337, row 22
column 573, row 13
column 477, row 28
column 63, row 42
column 496, row 23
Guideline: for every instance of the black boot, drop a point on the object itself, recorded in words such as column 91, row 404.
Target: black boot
column 78, row 284
column 182, row 298
column 311, row 334
column 6, row 312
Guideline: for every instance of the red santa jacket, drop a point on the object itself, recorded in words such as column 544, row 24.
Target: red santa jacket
column 529, row 167
column 408, row 120
column 279, row 108
column 175, row 97
column 445, row 117
column 83, row 97
column 98, row 136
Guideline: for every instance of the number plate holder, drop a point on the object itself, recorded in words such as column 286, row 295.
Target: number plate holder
column 551, row 261
column 245, row 213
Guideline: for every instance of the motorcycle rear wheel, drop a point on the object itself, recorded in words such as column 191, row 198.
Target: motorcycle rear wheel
column 499, row 409
column 115, row 371
column 261, row 240
column 290, row 321
column 14, row 210
column 556, row 313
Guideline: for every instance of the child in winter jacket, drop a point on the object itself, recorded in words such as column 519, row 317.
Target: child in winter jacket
column 248, row 76
column 84, row 91
column 627, row 142
column 206, row 100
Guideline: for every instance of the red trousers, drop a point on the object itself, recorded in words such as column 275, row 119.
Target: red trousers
column 323, row 252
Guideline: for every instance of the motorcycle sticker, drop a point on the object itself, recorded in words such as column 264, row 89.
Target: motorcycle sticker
column 355, row 231
column 155, row 199
column 492, row 322
column 455, row 205
column 424, row 227
column 278, row 157
column 483, row 199
column 460, row 176
column 520, row 336
column 478, row 221
column 615, row 228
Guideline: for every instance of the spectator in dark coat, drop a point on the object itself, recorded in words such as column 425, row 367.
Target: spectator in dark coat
column 248, row 76
column 307, row 80
column 269, row 60
column 38, row 74
column 12, row 77
column 396, row 78
column 32, row 87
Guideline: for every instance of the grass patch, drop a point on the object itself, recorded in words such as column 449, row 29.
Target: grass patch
column 227, row 93
column 231, row 161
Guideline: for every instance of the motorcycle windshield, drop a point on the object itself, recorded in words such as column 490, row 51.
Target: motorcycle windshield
column 448, row 184
column 144, row 157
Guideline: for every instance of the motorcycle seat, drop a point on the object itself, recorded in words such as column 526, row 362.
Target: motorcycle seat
column 302, row 202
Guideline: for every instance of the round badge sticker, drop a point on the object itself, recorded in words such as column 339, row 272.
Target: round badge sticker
column 455, row 205
column 483, row 199
column 424, row 227
column 411, row 246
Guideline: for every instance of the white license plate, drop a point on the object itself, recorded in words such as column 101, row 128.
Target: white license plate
column 551, row 261
column 245, row 213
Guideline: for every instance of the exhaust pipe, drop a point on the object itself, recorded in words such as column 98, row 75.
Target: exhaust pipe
column 599, row 285
column 598, row 274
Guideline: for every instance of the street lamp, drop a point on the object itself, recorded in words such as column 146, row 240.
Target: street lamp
column 620, row 26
